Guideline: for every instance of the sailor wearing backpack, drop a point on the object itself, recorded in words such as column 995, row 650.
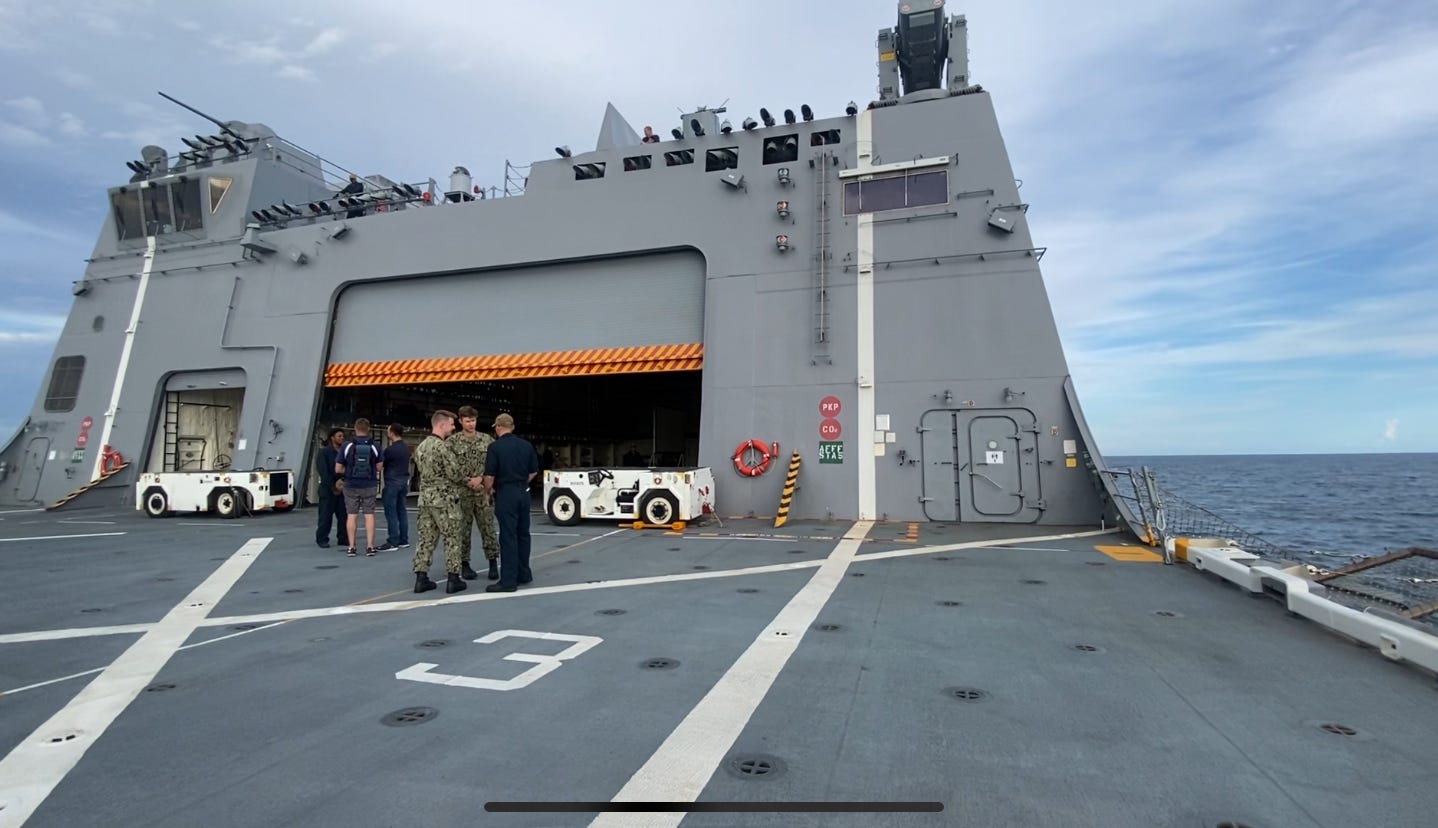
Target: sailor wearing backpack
column 360, row 462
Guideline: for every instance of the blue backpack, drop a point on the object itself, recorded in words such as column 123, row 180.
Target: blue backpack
column 359, row 465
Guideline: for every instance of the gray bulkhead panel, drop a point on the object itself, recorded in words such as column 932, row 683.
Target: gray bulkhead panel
column 656, row 299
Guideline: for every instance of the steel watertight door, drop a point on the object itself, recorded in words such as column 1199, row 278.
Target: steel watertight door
column 32, row 466
column 1001, row 480
column 938, row 454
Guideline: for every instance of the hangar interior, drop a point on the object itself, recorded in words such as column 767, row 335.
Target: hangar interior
column 644, row 419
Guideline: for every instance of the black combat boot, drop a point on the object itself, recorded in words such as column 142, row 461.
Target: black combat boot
column 494, row 569
column 455, row 584
column 422, row 583
column 467, row 571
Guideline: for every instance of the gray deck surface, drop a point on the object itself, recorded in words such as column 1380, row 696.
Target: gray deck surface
column 1206, row 715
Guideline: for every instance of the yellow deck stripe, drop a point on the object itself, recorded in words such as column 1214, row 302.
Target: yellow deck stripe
column 1130, row 554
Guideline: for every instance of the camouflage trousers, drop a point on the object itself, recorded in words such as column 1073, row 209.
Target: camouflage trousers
column 439, row 522
column 478, row 508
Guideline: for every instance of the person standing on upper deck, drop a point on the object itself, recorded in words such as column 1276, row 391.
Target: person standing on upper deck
column 353, row 188
column 508, row 471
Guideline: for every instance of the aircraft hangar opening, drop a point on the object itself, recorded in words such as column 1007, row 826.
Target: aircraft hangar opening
column 598, row 361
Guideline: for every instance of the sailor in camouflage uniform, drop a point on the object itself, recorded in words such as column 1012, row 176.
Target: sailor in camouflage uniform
column 477, row 506
column 441, row 489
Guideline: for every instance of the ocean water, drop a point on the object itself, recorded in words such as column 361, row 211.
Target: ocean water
column 1337, row 504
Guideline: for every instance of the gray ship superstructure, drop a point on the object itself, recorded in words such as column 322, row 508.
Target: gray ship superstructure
column 862, row 288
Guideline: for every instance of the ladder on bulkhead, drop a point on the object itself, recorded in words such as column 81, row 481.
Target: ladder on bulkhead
column 821, row 261
column 172, row 431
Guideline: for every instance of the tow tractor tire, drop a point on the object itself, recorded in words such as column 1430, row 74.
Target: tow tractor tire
column 227, row 503
column 563, row 509
column 659, row 509
column 157, row 503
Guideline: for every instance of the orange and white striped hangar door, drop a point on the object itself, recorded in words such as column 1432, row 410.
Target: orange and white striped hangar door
column 612, row 316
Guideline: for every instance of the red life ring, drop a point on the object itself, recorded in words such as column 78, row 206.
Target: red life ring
column 746, row 468
column 110, row 460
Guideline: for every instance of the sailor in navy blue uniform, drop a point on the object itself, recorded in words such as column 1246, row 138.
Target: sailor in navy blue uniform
column 508, row 470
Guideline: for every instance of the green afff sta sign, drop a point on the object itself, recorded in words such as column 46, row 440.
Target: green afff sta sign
column 831, row 451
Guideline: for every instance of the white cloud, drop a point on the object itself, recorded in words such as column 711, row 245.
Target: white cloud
column 1390, row 430
column 20, row 137
column 325, row 41
column 28, row 111
column 26, row 328
column 71, row 125
column 295, row 72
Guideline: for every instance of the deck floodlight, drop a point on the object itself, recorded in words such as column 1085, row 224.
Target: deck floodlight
column 562, row 151
column 678, row 136
column 750, row 124
column 781, row 241
column 694, row 125
column 766, row 117
column 726, row 127
column 806, row 112
column 851, row 109
column 788, row 116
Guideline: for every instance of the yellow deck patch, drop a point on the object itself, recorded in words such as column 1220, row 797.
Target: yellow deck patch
column 1132, row 554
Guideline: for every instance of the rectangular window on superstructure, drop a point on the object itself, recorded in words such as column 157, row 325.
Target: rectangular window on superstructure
column 188, row 209
column 823, row 137
column 584, row 172
column 64, row 383
column 638, row 162
column 128, row 221
column 678, row 157
column 895, row 192
column 781, row 149
column 158, row 218
column 721, row 159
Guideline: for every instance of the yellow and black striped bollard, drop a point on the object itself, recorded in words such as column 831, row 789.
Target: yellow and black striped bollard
column 788, row 496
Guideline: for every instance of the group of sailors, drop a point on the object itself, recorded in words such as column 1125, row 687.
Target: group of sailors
column 466, row 477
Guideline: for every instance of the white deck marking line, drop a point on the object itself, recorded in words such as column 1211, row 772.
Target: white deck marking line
column 394, row 606
column 31, row 771
column 983, row 544
column 40, row 684
column 61, row 537
column 397, row 606
column 683, row 764
column 20, row 511
column 94, row 522
column 73, row 632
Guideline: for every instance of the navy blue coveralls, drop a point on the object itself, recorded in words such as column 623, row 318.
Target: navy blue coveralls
column 511, row 460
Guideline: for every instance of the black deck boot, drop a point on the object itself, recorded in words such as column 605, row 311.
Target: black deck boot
column 468, row 572
column 455, row 584
column 422, row 583
column 494, row 569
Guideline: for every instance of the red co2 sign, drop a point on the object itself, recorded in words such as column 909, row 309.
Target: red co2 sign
column 829, row 406
column 829, row 429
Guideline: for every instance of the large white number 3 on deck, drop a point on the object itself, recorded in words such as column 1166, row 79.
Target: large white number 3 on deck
column 543, row 664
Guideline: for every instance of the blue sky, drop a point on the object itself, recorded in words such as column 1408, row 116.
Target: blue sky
column 1239, row 197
